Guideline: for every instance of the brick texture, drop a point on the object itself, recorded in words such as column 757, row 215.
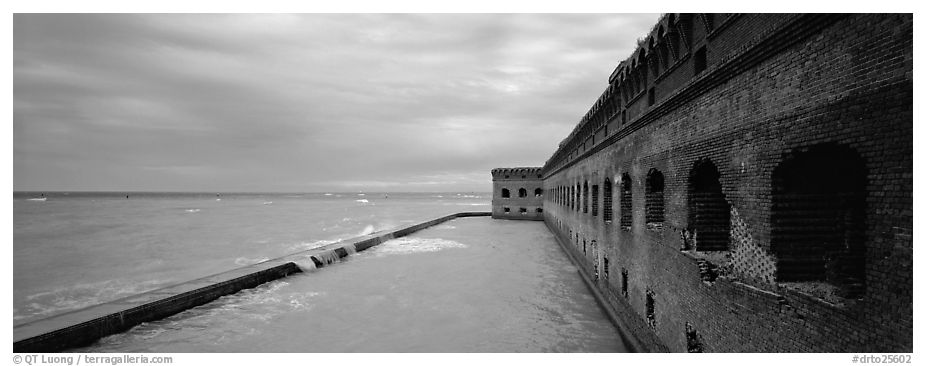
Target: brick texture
column 774, row 90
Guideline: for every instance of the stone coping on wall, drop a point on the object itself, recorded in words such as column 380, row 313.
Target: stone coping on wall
column 84, row 326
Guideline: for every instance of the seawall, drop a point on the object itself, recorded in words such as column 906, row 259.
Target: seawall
column 84, row 326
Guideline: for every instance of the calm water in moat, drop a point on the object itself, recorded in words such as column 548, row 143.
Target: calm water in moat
column 469, row 285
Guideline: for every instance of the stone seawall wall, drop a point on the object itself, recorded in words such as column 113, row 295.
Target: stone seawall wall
column 85, row 326
column 762, row 200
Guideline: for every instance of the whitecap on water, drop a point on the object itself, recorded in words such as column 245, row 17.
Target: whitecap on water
column 362, row 201
column 407, row 245
column 369, row 229
column 192, row 210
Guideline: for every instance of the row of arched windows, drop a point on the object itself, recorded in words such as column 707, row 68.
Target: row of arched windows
column 818, row 212
column 522, row 192
column 579, row 199
column 522, row 210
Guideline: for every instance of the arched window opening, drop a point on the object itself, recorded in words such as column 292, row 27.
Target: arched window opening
column 578, row 197
column 608, row 201
column 818, row 218
column 538, row 192
column 654, row 59
column 506, row 193
column 651, row 308
column 595, row 200
column 606, row 275
column 572, row 197
column 691, row 336
column 624, row 282
column 642, row 70
column 522, row 193
column 538, row 210
column 708, row 210
column 674, row 42
column 626, row 202
column 700, row 60
column 585, row 197
column 522, row 210
column 655, row 204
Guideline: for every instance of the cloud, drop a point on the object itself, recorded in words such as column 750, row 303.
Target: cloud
column 277, row 102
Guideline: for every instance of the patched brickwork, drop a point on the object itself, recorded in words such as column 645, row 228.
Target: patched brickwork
column 750, row 262
column 749, row 256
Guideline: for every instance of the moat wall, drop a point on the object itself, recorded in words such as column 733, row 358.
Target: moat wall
column 685, row 189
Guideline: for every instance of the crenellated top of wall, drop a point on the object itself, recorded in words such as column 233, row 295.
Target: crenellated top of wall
column 519, row 173
column 637, row 83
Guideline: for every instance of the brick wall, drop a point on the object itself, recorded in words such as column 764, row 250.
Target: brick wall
column 777, row 91
column 517, row 193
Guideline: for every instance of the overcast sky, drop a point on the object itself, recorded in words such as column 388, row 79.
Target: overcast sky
column 302, row 103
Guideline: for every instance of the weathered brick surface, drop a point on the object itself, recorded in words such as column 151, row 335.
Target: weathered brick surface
column 774, row 86
column 514, row 180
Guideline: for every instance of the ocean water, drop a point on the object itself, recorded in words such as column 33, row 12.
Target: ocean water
column 468, row 285
column 74, row 250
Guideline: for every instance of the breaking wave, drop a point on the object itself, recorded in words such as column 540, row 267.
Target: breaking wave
column 408, row 245
column 369, row 229
column 307, row 245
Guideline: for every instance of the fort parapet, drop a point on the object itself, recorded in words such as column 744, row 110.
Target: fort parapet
column 744, row 184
